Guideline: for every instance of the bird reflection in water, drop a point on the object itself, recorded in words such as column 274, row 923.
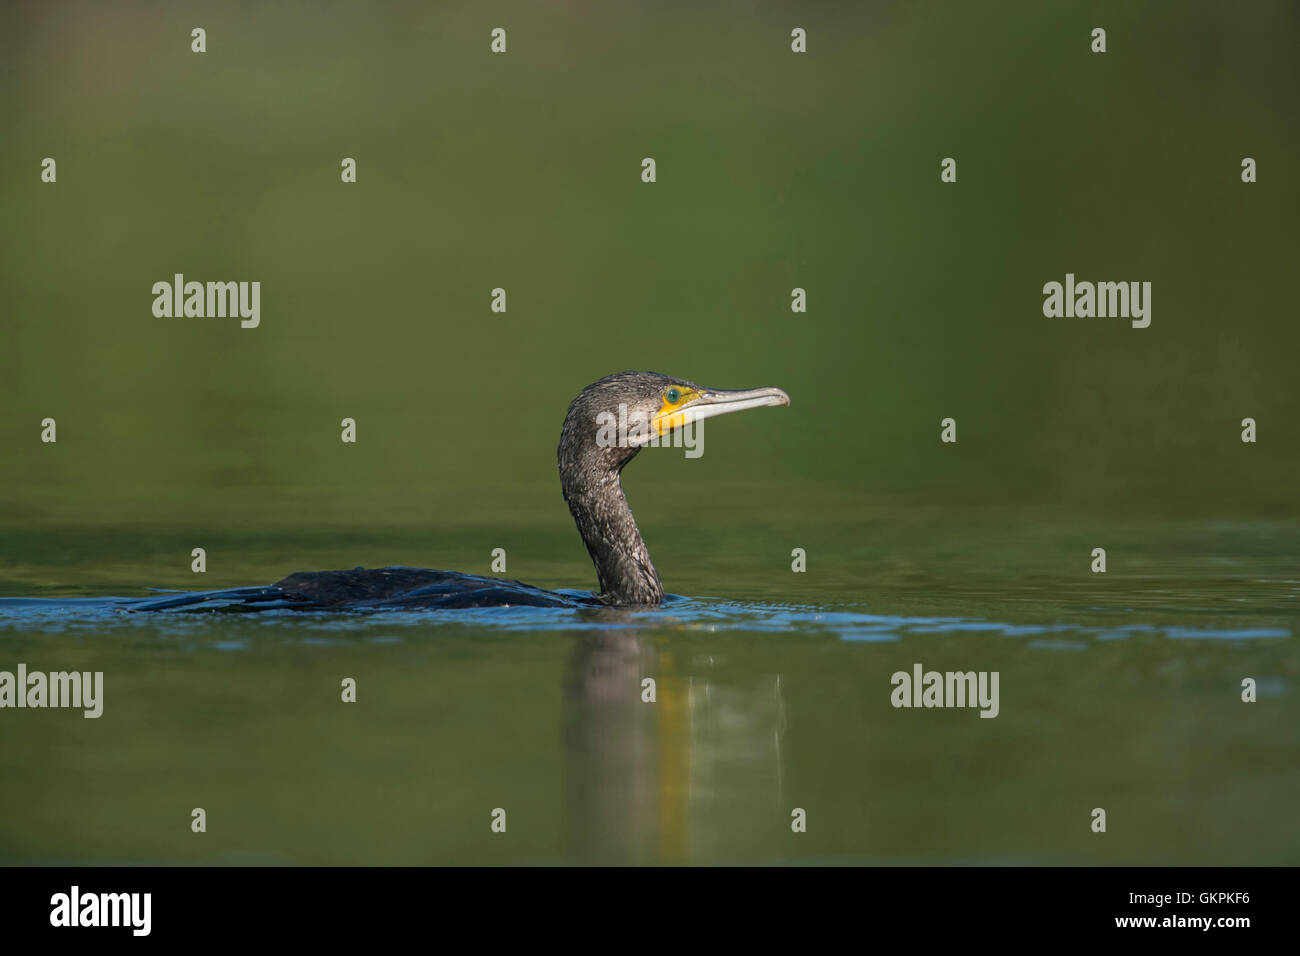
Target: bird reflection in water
column 665, row 781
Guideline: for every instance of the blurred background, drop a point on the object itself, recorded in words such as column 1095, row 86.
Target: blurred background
column 522, row 171
column 774, row 171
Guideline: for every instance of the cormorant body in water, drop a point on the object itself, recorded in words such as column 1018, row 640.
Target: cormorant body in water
column 606, row 426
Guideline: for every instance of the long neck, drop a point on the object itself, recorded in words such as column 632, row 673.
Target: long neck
column 627, row 575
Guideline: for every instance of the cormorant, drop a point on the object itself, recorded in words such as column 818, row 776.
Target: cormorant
column 606, row 426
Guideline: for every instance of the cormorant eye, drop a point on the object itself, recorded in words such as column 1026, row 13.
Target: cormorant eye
column 673, row 396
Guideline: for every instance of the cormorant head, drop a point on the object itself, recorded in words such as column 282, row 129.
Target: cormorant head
column 613, row 419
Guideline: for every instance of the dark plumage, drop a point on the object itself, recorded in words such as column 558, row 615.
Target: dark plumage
column 606, row 426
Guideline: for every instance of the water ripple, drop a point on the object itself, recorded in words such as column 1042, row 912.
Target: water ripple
column 844, row 622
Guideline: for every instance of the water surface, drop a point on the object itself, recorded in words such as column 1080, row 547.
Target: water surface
column 1119, row 691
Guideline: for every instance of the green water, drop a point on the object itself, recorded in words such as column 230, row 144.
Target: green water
column 1119, row 690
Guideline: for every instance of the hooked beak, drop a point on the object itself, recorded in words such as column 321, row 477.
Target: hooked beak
column 708, row 402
